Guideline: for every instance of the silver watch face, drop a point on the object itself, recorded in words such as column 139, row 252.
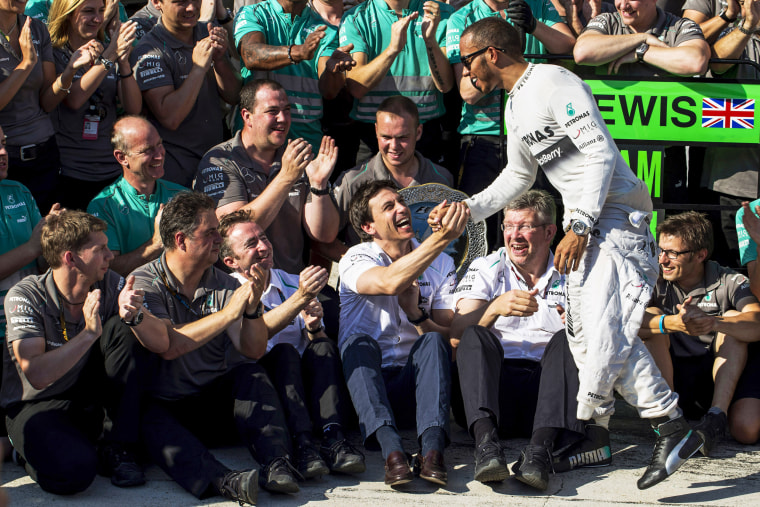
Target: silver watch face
column 580, row 229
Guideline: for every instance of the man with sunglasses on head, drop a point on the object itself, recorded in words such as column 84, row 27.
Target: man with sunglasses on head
column 701, row 327
column 607, row 251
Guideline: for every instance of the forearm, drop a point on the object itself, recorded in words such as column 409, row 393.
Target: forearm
column 364, row 77
column 464, row 320
column 279, row 317
column 681, row 60
column 321, row 219
column 48, row 367
column 253, row 338
column 267, row 205
column 227, row 80
column 15, row 259
column 556, row 39
column 712, row 28
column 440, row 70
column 83, row 88
column 744, row 326
column 729, row 47
column 650, row 324
column 331, row 83
column 124, row 264
column 10, row 86
column 184, row 338
column 152, row 333
column 172, row 109
column 53, row 93
column 261, row 56
column 129, row 91
column 596, row 49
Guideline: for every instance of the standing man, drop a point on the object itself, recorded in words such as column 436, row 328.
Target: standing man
column 699, row 328
column 303, row 363
column 508, row 308
column 131, row 205
column 288, row 41
column 395, row 312
column 397, row 53
column 614, row 267
column 283, row 185
column 193, row 317
column 183, row 70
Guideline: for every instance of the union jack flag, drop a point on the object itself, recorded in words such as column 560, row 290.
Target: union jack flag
column 728, row 113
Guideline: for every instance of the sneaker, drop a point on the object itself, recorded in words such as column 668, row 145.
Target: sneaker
column 343, row 458
column 712, row 429
column 592, row 451
column 490, row 465
column 120, row 465
column 17, row 458
column 533, row 466
column 676, row 442
column 242, row 487
column 310, row 464
column 279, row 476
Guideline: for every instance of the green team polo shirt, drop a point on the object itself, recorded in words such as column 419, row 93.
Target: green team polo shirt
column 483, row 118
column 129, row 215
column 39, row 9
column 368, row 27
column 301, row 80
column 18, row 216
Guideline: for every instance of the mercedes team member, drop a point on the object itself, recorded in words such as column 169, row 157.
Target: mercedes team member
column 553, row 121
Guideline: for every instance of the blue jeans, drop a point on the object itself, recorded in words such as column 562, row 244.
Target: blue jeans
column 421, row 387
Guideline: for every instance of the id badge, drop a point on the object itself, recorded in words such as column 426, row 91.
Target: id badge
column 90, row 128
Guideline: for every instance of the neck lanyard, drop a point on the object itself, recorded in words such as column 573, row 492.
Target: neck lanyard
column 282, row 298
column 175, row 295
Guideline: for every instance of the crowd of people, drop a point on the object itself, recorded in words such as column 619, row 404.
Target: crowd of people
column 198, row 167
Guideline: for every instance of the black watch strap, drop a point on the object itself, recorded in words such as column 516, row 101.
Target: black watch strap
column 420, row 319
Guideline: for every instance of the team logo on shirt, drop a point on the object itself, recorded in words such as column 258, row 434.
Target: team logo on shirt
column 11, row 199
column 569, row 108
column 180, row 57
column 124, row 210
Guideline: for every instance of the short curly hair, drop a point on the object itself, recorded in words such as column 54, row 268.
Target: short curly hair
column 694, row 229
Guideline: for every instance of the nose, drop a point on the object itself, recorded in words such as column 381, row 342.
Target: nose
column 465, row 70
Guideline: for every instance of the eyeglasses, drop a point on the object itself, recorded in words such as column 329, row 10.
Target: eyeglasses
column 467, row 60
column 522, row 228
column 671, row 254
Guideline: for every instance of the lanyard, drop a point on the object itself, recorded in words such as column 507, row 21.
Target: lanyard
column 63, row 326
column 175, row 295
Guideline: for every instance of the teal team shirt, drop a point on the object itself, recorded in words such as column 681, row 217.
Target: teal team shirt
column 368, row 27
column 129, row 215
column 747, row 247
column 18, row 216
column 483, row 118
column 39, row 9
column 302, row 80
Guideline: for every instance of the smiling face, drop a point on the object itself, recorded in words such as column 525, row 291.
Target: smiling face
column 391, row 218
column 250, row 247
column 269, row 122
column 527, row 239
column 144, row 158
column 640, row 15
column 687, row 268
column 179, row 15
column 87, row 19
column 397, row 137
column 477, row 67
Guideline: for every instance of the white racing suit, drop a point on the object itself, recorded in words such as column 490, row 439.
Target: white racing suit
column 552, row 120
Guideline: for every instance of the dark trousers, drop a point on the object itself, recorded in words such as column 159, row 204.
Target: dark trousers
column 311, row 388
column 40, row 175
column 505, row 389
column 173, row 430
column 57, row 436
column 417, row 394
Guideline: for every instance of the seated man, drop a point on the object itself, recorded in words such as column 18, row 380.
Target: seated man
column 54, row 374
column 131, row 205
column 398, row 128
column 193, row 318
column 298, row 350
column 645, row 41
column 698, row 326
column 183, row 71
column 259, row 170
column 395, row 312
column 508, row 307
column 713, row 16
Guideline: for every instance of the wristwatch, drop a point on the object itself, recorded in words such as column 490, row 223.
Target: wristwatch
column 579, row 228
column 422, row 318
column 256, row 313
column 643, row 48
column 723, row 16
column 136, row 320
column 321, row 191
column 108, row 64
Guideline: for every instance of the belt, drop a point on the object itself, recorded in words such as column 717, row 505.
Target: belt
column 28, row 151
column 470, row 138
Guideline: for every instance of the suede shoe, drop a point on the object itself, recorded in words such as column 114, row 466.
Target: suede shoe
column 310, row 464
column 676, row 442
column 431, row 467
column 343, row 458
column 533, row 466
column 592, row 451
column 241, row 487
column 120, row 465
column 712, row 429
column 280, row 476
column 490, row 465
column 397, row 470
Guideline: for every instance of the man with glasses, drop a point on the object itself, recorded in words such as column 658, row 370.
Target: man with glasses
column 131, row 205
column 509, row 305
column 701, row 327
column 553, row 121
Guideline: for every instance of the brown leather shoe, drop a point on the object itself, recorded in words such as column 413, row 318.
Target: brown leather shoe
column 432, row 468
column 397, row 469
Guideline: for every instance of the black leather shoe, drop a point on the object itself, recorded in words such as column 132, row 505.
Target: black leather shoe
column 397, row 469
column 280, row 477
column 343, row 458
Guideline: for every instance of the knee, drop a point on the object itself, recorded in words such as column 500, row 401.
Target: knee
column 284, row 352
column 69, row 475
column 359, row 344
column 434, row 344
column 744, row 420
column 323, row 347
column 478, row 338
column 745, row 432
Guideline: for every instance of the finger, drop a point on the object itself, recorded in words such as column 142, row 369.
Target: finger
column 130, row 282
column 347, row 48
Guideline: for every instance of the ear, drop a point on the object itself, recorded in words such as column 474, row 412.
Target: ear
column 121, row 158
column 702, row 255
column 419, row 131
column 179, row 240
column 551, row 231
column 230, row 263
column 245, row 115
column 68, row 258
column 369, row 228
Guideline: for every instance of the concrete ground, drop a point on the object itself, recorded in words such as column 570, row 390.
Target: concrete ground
column 731, row 478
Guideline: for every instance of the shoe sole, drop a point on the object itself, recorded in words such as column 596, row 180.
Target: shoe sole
column 398, row 481
column 127, row 484
column 316, row 471
column 434, row 480
column 253, row 481
column 532, row 482
column 672, row 466
column 493, row 472
column 286, row 488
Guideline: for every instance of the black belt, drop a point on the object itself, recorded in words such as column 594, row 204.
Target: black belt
column 28, row 152
column 470, row 138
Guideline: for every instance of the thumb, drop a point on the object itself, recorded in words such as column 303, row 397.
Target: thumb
column 130, row 282
column 209, row 27
column 533, row 292
column 347, row 48
column 687, row 301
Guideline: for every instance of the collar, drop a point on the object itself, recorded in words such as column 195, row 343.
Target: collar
column 205, row 285
column 199, row 32
column 240, row 154
column 544, row 280
column 523, row 79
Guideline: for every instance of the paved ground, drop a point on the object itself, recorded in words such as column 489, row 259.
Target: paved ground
column 732, row 478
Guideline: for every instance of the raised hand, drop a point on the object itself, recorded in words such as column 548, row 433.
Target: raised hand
column 28, row 52
column 341, row 60
column 295, row 158
column 517, row 303
column 430, row 19
column 203, row 53
column 91, row 312
column 399, row 32
column 130, row 300
column 320, row 169
column 306, row 50
column 312, row 280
